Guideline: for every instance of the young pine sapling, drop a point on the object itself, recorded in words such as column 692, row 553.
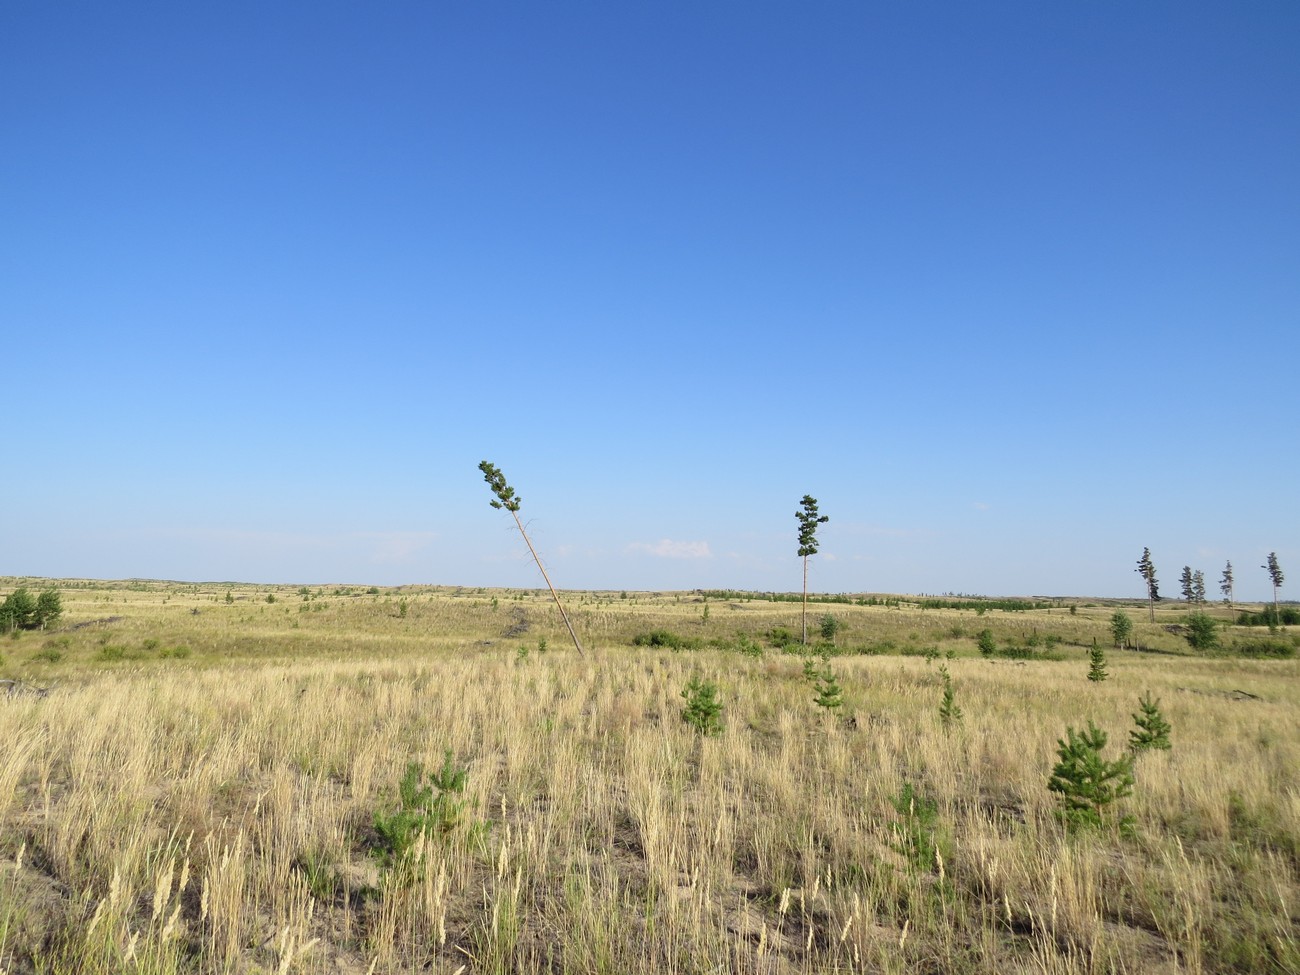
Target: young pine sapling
column 1152, row 729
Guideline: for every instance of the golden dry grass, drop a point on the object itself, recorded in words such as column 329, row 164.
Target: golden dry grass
column 214, row 810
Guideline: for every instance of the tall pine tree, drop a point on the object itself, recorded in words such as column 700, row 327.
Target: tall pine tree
column 1225, row 586
column 808, row 522
column 1147, row 569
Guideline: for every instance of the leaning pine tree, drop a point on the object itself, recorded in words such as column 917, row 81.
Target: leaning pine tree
column 1146, row 568
column 1225, row 586
column 808, row 522
column 506, row 498
column 1275, row 575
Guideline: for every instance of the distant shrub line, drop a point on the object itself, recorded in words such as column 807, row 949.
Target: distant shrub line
column 978, row 605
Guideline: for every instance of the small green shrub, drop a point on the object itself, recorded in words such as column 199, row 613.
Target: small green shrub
column 1202, row 631
column 178, row 652
column 917, row 833
column 781, row 637
column 828, row 626
column 1265, row 647
column 48, row 654
column 112, row 651
column 703, row 710
column 987, row 645
column 828, row 694
column 949, row 712
column 421, row 810
column 1121, row 628
column 665, row 638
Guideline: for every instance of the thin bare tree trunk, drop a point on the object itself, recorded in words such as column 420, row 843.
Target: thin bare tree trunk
column 805, row 600
column 554, row 595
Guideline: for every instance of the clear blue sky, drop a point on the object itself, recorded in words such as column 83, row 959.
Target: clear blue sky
column 1011, row 288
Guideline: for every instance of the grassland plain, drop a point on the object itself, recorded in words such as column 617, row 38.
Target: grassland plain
column 211, row 784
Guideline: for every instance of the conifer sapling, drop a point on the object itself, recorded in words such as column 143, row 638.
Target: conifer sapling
column 1097, row 657
column 1086, row 784
column 1152, row 729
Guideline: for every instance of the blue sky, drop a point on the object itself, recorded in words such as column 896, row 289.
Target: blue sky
column 1011, row 288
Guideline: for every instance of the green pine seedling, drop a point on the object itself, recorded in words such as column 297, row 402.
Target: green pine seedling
column 1097, row 656
column 1086, row 784
column 703, row 710
column 949, row 712
column 988, row 646
column 1152, row 729
column 827, row 693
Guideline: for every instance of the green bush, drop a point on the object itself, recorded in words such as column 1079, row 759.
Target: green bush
column 828, row 626
column 1121, row 628
column 23, row 611
column 703, row 710
column 917, row 833
column 421, row 811
column 1202, row 631
column 987, row 645
column 1265, row 647
column 665, row 638
column 781, row 637
column 1284, row 616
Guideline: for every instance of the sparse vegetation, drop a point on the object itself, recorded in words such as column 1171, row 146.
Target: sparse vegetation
column 622, row 839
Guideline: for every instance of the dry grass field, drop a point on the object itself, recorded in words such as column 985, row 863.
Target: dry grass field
column 212, row 783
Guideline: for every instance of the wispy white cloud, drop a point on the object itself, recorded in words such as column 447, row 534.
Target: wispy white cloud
column 980, row 505
column 666, row 548
column 395, row 547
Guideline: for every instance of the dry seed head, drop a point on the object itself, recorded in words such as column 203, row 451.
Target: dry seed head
column 170, row 926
